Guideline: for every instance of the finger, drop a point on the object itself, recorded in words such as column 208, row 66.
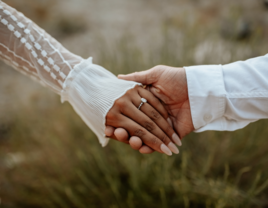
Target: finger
column 132, row 112
column 114, row 138
column 109, row 131
column 146, row 150
column 162, row 123
column 157, row 93
column 121, row 135
column 154, row 102
column 134, row 129
column 135, row 142
column 138, row 116
column 158, row 119
column 170, row 122
column 144, row 77
column 148, row 88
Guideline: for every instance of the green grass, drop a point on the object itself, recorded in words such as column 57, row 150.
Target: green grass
column 65, row 166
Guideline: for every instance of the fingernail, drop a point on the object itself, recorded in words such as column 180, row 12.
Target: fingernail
column 176, row 139
column 170, row 122
column 173, row 148
column 165, row 149
column 157, row 90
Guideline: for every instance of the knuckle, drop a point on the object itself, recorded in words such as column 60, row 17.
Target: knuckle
column 149, row 125
column 165, row 139
column 139, row 133
column 110, row 116
column 116, row 102
column 155, row 115
column 153, row 141
column 121, row 103
column 130, row 91
column 137, row 87
column 169, row 129
column 151, row 77
column 157, row 67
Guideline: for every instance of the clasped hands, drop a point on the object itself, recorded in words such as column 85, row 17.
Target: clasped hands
column 160, row 123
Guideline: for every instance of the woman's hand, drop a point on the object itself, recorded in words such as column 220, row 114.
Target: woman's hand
column 169, row 84
column 149, row 123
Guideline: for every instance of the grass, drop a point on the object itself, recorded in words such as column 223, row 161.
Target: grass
column 66, row 167
column 49, row 157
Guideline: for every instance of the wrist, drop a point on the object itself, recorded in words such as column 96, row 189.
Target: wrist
column 92, row 90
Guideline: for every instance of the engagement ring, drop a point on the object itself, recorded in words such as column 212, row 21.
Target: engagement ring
column 143, row 100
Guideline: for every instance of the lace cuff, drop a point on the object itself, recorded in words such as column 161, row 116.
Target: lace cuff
column 89, row 88
column 92, row 90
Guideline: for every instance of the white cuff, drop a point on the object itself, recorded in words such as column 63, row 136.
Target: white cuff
column 206, row 95
column 92, row 90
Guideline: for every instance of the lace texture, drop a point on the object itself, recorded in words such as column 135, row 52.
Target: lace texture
column 33, row 52
column 93, row 101
column 89, row 88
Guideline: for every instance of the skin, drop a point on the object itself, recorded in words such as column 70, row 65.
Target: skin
column 169, row 84
column 148, row 124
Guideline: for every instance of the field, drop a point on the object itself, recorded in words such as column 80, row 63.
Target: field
column 49, row 157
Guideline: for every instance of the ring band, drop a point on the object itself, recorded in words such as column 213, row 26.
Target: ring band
column 143, row 100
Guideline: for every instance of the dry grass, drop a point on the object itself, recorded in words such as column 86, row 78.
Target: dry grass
column 49, row 158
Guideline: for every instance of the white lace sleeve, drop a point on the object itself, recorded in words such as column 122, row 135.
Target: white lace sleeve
column 89, row 88
column 33, row 52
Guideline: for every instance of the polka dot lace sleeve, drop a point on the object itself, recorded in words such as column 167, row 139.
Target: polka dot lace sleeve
column 33, row 52
column 89, row 88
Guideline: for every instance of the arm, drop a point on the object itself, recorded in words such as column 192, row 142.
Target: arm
column 32, row 51
column 90, row 89
column 228, row 97
column 210, row 97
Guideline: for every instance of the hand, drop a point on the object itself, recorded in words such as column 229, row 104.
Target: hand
column 122, row 135
column 169, row 84
column 149, row 123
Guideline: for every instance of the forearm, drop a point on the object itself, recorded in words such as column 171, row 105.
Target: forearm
column 228, row 97
column 89, row 88
column 32, row 51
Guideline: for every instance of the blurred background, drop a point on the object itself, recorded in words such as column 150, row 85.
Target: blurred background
column 48, row 156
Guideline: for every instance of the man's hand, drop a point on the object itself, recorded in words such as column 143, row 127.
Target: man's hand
column 169, row 84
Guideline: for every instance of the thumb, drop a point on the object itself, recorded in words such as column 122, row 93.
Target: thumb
column 144, row 77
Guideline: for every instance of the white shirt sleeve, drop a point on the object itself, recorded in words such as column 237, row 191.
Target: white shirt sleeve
column 228, row 97
column 89, row 88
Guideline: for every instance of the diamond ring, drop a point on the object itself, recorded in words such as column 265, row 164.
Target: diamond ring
column 143, row 100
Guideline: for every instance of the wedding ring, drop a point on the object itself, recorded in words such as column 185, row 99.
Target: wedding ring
column 143, row 100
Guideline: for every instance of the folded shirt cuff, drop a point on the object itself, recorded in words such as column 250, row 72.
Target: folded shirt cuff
column 207, row 95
